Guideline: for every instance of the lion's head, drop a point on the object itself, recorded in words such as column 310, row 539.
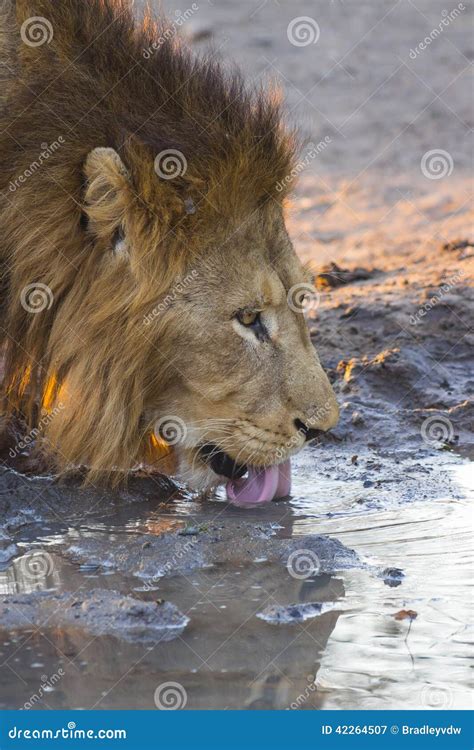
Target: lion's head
column 232, row 378
column 247, row 387
column 175, row 316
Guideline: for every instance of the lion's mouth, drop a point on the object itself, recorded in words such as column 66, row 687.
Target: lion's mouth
column 248, row 485
column 221, row 463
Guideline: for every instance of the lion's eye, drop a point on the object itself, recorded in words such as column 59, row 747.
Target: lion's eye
column 252, row 320
column 248, row 318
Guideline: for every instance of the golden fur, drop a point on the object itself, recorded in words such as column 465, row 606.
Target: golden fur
column 102, row 113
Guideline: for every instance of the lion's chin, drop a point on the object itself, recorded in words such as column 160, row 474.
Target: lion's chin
column 196, row 474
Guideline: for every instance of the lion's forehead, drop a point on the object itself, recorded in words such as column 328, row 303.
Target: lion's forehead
column 250, row 279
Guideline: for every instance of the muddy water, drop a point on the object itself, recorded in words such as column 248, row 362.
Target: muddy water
column 354, row 654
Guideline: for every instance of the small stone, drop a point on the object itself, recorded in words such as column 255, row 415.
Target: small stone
column 357, row 419
column 294, row 613
column 393, row 577
column 189, row 531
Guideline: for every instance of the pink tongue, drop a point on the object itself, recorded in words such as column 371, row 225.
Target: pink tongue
column 260, row 485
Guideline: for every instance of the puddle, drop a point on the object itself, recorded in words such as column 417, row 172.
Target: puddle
column 259, row 635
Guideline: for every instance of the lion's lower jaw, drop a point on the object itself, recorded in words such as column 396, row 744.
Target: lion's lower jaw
column 196, row 475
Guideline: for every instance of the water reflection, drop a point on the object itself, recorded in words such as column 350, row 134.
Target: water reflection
column 357, row 655
column 226, row 657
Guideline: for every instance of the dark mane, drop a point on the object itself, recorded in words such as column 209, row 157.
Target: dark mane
column 103, row 78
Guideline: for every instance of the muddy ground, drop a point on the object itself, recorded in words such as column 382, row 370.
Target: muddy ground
column 356, row 592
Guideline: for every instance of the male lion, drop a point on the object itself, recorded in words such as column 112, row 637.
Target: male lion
column 146, row 274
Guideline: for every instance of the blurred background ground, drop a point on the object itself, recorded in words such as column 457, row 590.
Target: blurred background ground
column 364, row 195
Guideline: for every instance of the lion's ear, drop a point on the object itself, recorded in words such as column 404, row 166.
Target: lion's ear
column 107, row 185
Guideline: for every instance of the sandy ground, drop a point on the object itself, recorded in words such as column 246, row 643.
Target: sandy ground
column 382, row 503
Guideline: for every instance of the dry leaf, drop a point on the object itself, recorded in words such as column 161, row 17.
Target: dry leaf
column 406, row 614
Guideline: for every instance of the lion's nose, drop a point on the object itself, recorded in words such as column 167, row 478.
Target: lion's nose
column 309, row 432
